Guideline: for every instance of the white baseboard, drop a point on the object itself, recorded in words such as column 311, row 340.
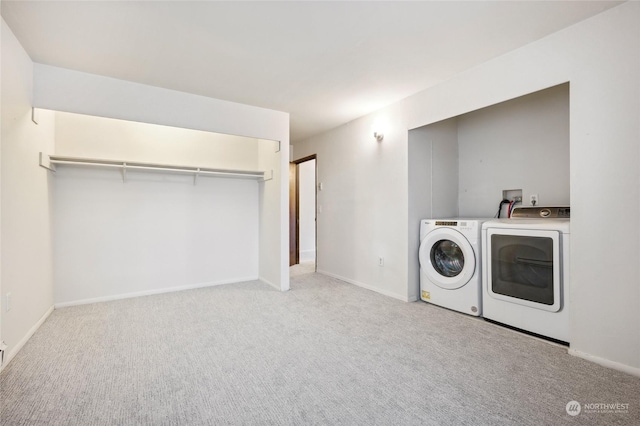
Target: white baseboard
column 366, row 286
column 307, row 255
column 634, row 371
column 151, row 292
column 266, row 281
column 26, row 338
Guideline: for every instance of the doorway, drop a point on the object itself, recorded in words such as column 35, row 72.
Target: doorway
column 302, row 214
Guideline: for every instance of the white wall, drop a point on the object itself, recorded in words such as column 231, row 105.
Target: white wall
column 71, row 91
column 269, row 158
column 518, row 144
column 26, row 266
column 362, row 206
column 154, row 233
column 158, row 231
column 433, row 185
column 79, row 135
column 307, row 212
column 601, row 60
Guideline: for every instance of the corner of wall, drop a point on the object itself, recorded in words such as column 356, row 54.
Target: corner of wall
column 274, row 201
column 26, row 267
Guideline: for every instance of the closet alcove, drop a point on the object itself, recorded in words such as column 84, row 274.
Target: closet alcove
column 141, row 209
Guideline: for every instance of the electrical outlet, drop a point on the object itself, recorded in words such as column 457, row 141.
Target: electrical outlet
column 381, row 261
column 3, row 347
column 533, row 199
column 8, row 302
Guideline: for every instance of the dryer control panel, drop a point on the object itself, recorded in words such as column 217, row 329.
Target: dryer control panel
column 541, row 213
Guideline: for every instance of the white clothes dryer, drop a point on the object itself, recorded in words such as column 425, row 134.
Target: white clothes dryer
column 526, row 271
column 450, row 264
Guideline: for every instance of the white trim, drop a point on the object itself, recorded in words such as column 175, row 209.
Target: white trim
column 151, row 292
column 306, row 255
column 366, row 286
column 634, row 371
column 26, row 338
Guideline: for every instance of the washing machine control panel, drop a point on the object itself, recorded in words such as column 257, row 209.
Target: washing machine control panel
column 462, row 225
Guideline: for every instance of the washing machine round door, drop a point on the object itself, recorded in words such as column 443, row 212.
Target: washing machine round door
column 447, row 258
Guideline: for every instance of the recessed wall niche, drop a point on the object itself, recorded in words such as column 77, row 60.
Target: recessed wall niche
column 520, row 143
column 458, row 167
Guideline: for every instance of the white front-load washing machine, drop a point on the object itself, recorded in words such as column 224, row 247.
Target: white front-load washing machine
column 450, row 264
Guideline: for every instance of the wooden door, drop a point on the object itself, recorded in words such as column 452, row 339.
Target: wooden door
column 294, row 209
column 294, row 256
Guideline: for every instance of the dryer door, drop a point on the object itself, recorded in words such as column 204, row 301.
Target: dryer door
column 524, row 267
column 447, row 258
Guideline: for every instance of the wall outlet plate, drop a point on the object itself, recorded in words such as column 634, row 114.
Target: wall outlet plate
column 533, row 199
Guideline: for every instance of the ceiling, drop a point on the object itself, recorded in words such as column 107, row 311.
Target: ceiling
column 325, row 63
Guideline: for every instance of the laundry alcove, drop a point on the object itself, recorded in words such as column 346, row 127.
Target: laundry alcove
column 458, row 167
column 164, row 225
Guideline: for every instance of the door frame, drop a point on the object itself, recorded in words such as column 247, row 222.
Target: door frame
column 294, row 252
column 297, row 206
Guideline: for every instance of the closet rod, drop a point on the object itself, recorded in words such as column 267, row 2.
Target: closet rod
column 164, row 169
column 124, row 165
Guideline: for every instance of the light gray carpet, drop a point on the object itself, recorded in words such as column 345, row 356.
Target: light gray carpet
column 325, row 352
column 303, row 268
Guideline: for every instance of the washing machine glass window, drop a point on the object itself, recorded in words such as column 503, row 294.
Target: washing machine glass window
column 447, row 258
column 524, row 267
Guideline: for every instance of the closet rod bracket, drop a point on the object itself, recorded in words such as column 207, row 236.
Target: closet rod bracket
column 51, row 169
column 264, row 179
